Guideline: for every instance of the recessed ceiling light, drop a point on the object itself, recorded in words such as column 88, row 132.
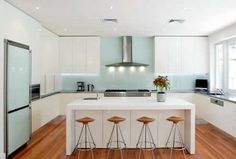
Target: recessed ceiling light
column 185, row 8
column 65, row 29
column 111, row 7
column 181, row 21
column 37, row 8
column 110, row 20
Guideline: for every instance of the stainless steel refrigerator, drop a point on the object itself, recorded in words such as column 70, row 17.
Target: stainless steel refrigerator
column 17, row 96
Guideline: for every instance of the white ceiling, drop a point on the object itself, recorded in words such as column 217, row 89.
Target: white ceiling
column 136, row 17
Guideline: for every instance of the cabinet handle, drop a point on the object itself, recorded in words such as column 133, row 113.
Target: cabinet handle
column 54, row 83
column 45, row 83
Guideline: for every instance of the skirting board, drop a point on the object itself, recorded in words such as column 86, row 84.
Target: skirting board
column 2, row 156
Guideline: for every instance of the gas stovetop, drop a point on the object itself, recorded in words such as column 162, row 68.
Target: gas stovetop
column 127, row 93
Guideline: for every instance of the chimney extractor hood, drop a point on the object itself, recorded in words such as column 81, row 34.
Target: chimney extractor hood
column 127, row 55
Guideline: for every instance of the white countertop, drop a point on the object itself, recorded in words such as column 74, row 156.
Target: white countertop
column 130, row 103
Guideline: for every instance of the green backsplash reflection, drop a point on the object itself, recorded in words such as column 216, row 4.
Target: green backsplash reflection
column 128, row 78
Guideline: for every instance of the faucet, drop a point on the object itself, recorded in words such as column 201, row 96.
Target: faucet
column 221, row 91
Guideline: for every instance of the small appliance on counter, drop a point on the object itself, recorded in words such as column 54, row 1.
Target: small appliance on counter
column 90, row 87
column 80, row 86
column 201, row 85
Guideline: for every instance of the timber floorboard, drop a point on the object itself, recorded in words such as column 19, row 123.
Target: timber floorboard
column 49, row 142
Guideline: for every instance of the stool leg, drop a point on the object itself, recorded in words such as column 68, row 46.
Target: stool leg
column 182, row 142
column 109, row 141
column 169, row 135
column 80, row 136
column 173, row 145
column 140, row 136
column 122, row 135
column 117, row 136
column 91, row 136
column 152, row 140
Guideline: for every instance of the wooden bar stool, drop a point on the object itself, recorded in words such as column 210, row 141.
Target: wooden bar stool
column 118, row 143
column 176, row 144
column 146, row 141
column 88, row 143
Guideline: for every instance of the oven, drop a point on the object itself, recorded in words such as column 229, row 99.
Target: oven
column 35, row 91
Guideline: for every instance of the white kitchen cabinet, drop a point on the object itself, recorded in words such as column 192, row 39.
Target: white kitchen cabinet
column 44, row 110
column 80, row 55
column 65, row 98
column 95, row 126
column 181, row 55
column 223, row 117
column 107, row 126
column 49, row 62
column 93, row 55
column 66, row 54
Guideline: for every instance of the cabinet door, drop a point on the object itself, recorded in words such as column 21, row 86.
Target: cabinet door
column 65, row 99
column 168, row 55
column 107, row 126
column 189, row 56
column 95, row 127
column 137, row 126
column 66, row 55
column 93, row 55
column 201, row 51
column 79, row 55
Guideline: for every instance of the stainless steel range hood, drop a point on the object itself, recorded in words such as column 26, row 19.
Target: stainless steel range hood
column 127, row 54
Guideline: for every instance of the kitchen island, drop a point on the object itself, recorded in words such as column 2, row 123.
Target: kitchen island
column 130, row 108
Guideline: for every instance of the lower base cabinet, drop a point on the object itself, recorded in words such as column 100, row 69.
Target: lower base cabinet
column 44, row 110
column 223, row 117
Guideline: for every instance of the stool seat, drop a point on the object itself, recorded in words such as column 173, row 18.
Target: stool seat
column 145, row 120
column 175, row 119
column 116, row 119
column 85, row 120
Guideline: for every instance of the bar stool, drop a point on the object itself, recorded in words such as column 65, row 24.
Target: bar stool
column 148, row 142
column 176, row 144
column 118, row 143
column 88, row 143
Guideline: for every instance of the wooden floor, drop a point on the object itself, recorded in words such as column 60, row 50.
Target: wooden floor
column 49, row 142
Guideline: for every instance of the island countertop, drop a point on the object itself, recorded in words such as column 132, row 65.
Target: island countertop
column 129, row 103
column 131, row 108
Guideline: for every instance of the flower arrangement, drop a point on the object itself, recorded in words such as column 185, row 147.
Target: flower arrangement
column 162, row 82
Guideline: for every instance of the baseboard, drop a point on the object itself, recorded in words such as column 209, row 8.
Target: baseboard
column 2, row 156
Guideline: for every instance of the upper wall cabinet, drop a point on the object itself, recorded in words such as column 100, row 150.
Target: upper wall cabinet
column 80, row 55
column 181, row 55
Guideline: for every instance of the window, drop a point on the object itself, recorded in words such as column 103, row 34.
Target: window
column 225, row 65
column 219, row 66
column 232, row 66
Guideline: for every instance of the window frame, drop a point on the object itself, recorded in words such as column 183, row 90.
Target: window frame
column 225, row 82
column 233, row 40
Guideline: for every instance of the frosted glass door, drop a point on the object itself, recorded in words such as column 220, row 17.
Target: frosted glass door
column 18, row 129
column 18, row 77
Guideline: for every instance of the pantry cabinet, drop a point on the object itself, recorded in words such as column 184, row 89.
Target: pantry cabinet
column 181, row 55
column 49, row 62
column 80, row 55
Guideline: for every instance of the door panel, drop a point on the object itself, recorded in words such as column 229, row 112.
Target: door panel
column 18, row 77
column 18, row 129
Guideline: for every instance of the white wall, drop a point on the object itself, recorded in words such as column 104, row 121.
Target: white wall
column 1, row 80
column 19, row 27
column 223, row 34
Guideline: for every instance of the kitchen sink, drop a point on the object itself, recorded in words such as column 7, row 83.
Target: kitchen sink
column 95, row 98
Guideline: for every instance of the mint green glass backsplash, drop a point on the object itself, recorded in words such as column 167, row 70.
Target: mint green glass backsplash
column 143, row 52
